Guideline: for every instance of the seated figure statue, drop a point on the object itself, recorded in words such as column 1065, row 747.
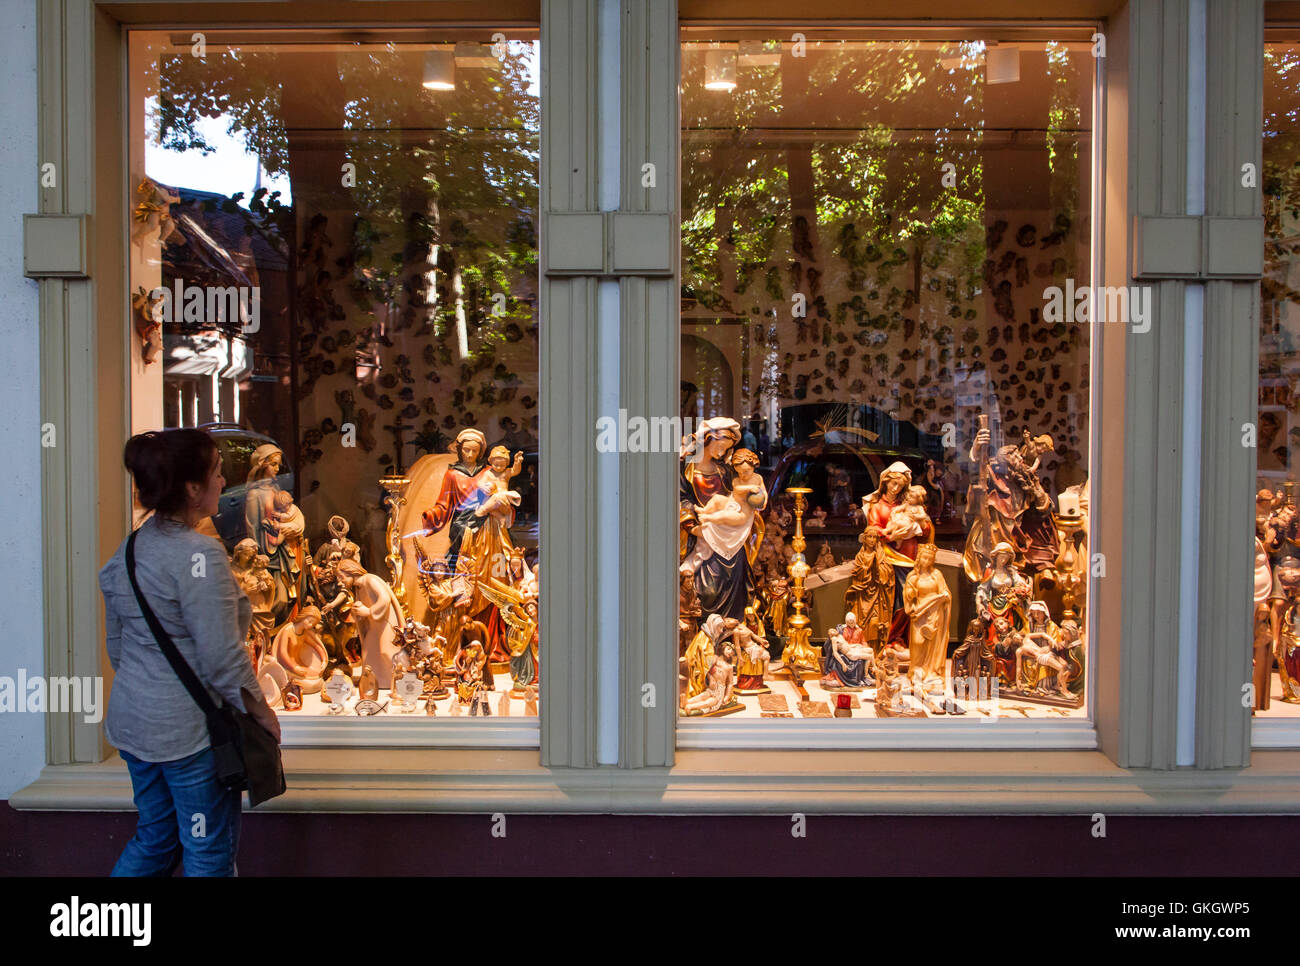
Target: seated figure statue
column 718, row 692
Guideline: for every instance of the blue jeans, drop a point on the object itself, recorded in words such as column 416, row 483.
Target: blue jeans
column 185, row 814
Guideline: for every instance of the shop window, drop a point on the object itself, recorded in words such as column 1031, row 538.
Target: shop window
column 1276, row 643
column 334, row 267
column 886, row 296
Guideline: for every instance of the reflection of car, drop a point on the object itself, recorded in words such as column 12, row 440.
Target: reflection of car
column 236, row 446
column 839, row 474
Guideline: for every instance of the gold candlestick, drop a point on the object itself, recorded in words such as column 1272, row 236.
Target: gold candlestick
column 395, row 490
column 799, row 652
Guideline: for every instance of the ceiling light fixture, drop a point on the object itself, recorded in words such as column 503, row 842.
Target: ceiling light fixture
column 439, row 70
column 720, row 70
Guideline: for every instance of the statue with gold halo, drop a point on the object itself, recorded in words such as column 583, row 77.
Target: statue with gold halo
column 476, row 506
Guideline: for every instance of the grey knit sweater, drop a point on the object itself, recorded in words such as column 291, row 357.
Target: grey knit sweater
column 185, row 576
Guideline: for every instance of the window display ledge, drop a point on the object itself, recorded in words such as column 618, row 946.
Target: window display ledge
column 887, row 735
column 1275, row 732
column 779, row 782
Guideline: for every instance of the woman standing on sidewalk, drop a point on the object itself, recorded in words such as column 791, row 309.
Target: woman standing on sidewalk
column 152, row 720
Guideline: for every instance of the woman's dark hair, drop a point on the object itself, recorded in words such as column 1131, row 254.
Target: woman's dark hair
column 162, row 463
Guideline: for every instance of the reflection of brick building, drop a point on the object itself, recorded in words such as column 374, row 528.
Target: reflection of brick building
column 212, row 371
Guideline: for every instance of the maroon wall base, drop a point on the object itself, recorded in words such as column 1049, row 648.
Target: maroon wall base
column 88, row 843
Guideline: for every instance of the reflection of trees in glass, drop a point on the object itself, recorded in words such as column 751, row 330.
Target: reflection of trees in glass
column 244, row 88
column 1280, row 181
column 1279, row 329
column 450, row 187
column 1063, row 123
column 777, row 202
column 825, row 177
column 400, row 275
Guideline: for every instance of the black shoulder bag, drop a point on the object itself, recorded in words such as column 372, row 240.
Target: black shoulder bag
column 247, row 755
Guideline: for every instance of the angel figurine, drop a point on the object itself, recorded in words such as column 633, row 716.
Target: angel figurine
column 519, row 610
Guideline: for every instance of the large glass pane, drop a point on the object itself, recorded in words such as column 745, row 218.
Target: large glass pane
column 337, row 238
column 1276, row 642
column 885, row 242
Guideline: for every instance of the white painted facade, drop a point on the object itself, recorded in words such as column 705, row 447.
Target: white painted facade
column 22, row 736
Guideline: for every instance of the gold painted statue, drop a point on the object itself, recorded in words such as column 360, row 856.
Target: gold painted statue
column 928, row 603
column 1008, row 505
column 699, row 654
column 777, row 592
column 870, row 594
column 688, row 610
column 471, row 661
column 1287, row 576
column 519, row 611
column 1040, row 643
column 719, row 682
